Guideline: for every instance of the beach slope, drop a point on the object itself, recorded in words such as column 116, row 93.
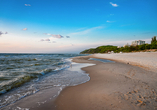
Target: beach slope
column 113, row 86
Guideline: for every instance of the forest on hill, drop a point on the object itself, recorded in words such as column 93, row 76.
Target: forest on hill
column 115, row 49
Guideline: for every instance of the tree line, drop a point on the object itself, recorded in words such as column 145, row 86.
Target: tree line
column 109, row 48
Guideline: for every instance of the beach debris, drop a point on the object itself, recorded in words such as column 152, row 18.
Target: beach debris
column 19, row 108
column 129, row 93
column 54, row 95
column 139, row 96
column 126, row 97
column 134, row 91
column 140, row 103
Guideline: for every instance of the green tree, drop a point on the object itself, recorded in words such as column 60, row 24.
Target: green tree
column 153, row 40
column 148, row 46
column 136, row 47
column 132, row 48
column 127, row 49
column 154, row 45
column 142, row 47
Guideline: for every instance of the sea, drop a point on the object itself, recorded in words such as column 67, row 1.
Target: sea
column 22, row 75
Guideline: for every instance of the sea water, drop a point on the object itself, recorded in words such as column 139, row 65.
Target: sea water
column 22, row 75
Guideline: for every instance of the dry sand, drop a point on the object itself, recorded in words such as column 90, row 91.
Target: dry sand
column 148, row 60
column 114, row 86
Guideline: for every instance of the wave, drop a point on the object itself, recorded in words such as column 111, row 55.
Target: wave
column 16, row 82
column 17, row 69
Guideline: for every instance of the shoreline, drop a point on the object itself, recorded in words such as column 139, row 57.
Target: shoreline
column 44, row 99
column 113, row 86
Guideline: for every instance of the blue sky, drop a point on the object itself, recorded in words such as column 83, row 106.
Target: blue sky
column 70, row 26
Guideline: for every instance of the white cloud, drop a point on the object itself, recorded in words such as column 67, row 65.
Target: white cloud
column 27, row 5
column 53, row 41
column 107, row 21
column 25, row 29
column 114, row 5
column 6, row 32
column 87, row 31
column 57, row 36
column 110, row 21
column 44, row 40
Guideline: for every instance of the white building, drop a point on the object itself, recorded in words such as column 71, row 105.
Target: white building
column 138, row 42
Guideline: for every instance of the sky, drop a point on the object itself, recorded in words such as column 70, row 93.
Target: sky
column 71, row 26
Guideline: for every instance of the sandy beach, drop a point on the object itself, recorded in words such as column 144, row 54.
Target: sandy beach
column 114, row 86
column 127, row 83
column 142, row 59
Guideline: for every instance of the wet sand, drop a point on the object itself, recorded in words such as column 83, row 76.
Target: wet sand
column 113, row 86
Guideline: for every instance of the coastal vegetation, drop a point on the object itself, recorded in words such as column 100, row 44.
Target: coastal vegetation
column 115, row 49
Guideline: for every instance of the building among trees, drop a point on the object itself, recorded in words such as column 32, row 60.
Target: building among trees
column 138, row 42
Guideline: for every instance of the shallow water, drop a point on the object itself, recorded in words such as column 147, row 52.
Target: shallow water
column 101, row 60
column 22, row 75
